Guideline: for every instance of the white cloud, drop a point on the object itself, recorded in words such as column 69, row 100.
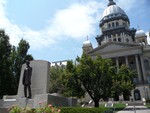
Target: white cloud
column 77, row 21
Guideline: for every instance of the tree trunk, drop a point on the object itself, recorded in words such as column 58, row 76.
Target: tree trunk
column 96, row 102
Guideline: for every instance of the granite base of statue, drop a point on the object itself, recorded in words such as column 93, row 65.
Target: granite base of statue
column 39, row 88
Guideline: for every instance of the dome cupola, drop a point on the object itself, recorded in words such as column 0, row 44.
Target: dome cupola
column 140, row 33
column 87, row 43
column 87, row 46
column 141, row 37
column 113, row 12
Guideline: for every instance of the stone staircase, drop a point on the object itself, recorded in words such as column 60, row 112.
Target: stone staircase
column 136, row 103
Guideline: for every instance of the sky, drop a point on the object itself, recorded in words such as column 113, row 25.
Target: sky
column 56, row 29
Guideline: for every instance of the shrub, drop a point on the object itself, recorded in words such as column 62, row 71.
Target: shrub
column 15, row 109
column 43, row 108
column 85, row 110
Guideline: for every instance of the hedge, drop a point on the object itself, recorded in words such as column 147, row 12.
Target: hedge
column 85, row 110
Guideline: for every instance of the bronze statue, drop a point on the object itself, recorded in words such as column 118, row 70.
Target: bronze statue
column 27, row 79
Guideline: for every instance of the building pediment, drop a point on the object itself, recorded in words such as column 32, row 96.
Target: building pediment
column 116, row 48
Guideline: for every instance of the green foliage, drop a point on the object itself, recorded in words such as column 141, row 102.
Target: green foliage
column 85, row 110
column 5, row 72
column 148, row 105
column 11, row 60
column 98, row 78
column 50, row 109
column 119, row 106
column 122, row 82
column 73, row 85
column 92, row 76
column 56, row 80
column 44, row 108
column 15, row 109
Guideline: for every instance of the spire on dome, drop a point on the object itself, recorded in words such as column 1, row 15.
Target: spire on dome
column 111, row 2
column 138, row 27
column 87, row 37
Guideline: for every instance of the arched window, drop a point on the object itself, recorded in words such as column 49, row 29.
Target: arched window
column 127, row 40
column 124, row 24
column 117, row 24
column 146, row 64
column 113, row 25
column 132, row 65
column 109, row 25
column 114, row 39
column 119, row 39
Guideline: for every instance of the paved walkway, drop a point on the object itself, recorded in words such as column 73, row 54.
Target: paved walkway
column 139, row 109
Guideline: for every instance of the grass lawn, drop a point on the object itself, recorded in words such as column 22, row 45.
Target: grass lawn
column 119, row 106
column 148, row 105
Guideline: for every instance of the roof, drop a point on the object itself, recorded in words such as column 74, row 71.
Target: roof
column 113, row 9
column 87, row 43
column 140, row 33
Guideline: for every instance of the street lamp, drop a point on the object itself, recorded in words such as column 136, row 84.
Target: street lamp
column 146, row 89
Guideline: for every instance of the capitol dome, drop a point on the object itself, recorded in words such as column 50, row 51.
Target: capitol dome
column 113, row 12
column 140, row 33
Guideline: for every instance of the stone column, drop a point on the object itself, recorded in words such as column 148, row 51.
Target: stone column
column 117, row 63
column 123, row 36
column 107, row 38
column 126, row 59
column 111, row 38
column 138, row 68
column 142, row 65
column 116, row 37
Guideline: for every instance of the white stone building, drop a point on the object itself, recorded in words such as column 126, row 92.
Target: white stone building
column 124, row 45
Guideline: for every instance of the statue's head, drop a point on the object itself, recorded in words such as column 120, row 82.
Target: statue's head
column 27, row 62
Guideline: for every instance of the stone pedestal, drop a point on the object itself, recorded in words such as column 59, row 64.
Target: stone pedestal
column 39, row 80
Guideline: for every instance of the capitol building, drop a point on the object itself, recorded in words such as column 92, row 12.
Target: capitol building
column 124, row 45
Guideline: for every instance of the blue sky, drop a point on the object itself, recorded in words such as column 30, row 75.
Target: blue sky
column 56, row 29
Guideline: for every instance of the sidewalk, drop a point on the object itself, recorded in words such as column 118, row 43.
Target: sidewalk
column 139, row 109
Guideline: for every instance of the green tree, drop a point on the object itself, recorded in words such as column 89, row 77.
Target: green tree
column 56, row 83
column 5, row 73
column 92, row 76
column 72, row 82
column 122, row 82
column 19, row 57
column 11, row 60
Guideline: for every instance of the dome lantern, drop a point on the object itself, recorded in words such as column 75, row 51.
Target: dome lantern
column 111, row 2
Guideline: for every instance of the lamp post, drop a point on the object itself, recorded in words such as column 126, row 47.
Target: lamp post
column 134, row 102
column 146, row 89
